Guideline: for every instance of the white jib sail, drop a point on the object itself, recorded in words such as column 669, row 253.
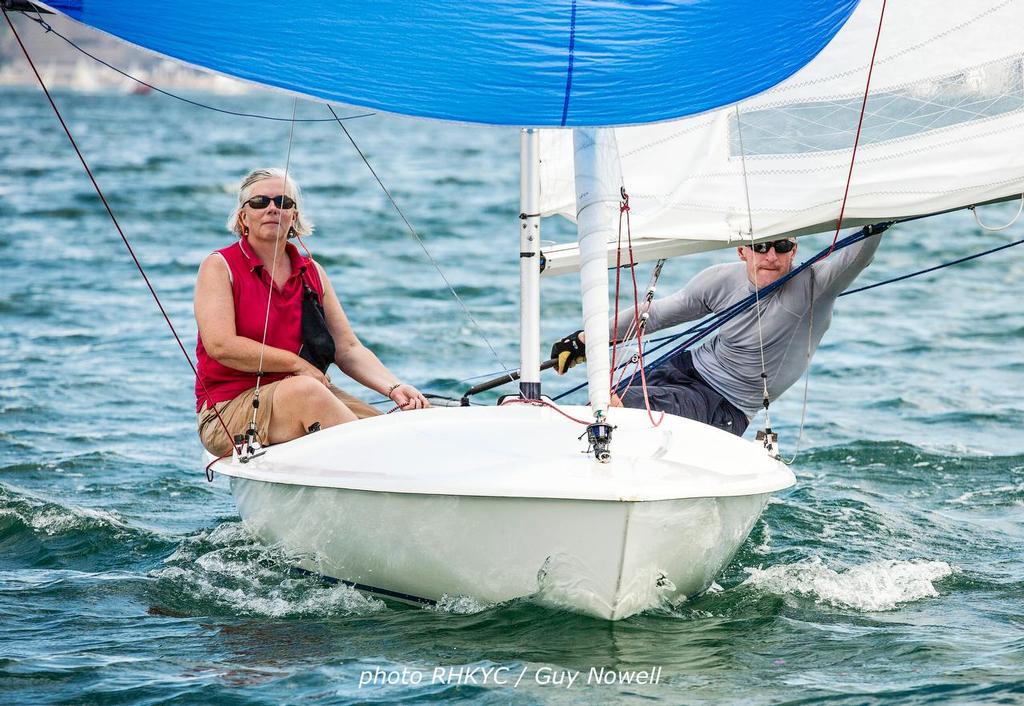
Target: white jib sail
column 943, row 128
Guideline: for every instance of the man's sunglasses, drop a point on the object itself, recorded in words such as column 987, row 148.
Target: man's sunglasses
column 781, row 246
column 261, row 202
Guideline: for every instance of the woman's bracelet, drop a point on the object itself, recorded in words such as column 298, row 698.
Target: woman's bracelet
column 393, row 388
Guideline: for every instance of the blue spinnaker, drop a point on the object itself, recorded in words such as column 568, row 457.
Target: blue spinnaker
column 507, row 62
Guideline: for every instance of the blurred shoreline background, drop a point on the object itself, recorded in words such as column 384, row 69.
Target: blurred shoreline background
column 62, row 66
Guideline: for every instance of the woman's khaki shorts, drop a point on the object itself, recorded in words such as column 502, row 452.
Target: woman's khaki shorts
column 237, row 413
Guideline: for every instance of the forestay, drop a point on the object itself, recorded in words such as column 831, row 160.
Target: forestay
column 513, row 62
column 943, row 128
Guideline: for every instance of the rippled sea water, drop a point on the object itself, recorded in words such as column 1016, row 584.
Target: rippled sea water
column 891, row 571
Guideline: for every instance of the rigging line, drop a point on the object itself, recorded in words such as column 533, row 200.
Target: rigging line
column 50, row 30
column 743, row 163
column 933, row 269
column 757, row 288
column 542, row 403
column 117, row 225
column 480, row 377
column 635, row 329
column 807, row 377
column 977, row 218
column 721, row 318
column 652, row 286
column 717, row 320
column 209, row 467
column 640, row 328
column 712, row 322
column 423, row 245
column 614, row 343
column 273, row 267
column 860, row 123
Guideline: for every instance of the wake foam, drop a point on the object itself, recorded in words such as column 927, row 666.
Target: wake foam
column 227, row 569
column 461, row 605
column 875, row 586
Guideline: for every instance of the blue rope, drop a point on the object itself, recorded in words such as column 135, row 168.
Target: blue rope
column 716, row 321
column 933, row 269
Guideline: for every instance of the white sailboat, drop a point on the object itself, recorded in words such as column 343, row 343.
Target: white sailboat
column 503, row 502
column 497, row 503
column 510, row 501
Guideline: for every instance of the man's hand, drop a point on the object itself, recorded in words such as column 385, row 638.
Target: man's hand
column 569, row 351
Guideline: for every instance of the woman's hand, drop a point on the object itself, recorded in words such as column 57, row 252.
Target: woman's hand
column 408, row 397
column 307, row 368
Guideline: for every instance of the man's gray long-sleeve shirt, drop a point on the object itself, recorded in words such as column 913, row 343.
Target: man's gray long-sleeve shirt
column 730, row 362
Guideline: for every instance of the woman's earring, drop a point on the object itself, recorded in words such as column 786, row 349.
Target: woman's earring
column 245, row 231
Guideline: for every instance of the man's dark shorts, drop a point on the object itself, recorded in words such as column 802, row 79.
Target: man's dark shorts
column 677, row 388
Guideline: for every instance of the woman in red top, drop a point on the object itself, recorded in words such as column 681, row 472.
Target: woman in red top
column 254, row 286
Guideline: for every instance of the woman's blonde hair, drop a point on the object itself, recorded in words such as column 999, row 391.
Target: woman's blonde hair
column 302, row 225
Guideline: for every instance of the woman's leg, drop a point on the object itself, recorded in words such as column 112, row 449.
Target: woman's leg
column 361, row 409
column 299, row 402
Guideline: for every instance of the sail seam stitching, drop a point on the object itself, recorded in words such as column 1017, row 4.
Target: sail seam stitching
column 907, row 50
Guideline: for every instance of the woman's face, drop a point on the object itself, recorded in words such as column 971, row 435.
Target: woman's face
column 268, row 223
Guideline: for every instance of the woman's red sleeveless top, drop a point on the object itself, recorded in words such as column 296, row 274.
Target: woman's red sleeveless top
column 250, row 286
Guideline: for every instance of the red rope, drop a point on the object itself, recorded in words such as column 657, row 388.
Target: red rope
column 623, row 208
column 209, row 466
column 856, row 139
column 639, row 328
column 117, row 225
column 624, row 211
column 544, row 403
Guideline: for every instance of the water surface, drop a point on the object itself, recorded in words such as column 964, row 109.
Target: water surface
column 892, row 570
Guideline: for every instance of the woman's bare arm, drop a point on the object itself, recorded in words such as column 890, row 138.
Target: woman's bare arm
column 359, row 362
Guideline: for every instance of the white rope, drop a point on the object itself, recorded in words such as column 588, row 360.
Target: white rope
column 977, row 219
column 757, row 290
column 807, row 376
column 273, row 265
column 422, row 244
column 637, row 328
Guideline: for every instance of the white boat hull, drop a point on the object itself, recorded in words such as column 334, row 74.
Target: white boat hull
column 607, row 540
column 609, row 559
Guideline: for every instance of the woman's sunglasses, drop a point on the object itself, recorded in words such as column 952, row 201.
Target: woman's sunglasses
column 261, row 202
column 781, row 246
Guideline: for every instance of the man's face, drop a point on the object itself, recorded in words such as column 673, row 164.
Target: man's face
column 765, row 268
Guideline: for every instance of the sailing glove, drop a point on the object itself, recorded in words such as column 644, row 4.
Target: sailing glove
column 568, row 351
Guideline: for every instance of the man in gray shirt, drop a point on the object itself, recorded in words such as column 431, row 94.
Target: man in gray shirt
column 720, row 382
